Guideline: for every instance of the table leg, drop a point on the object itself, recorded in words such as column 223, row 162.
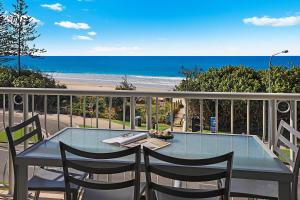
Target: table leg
column 284, row 190
column 21, row 182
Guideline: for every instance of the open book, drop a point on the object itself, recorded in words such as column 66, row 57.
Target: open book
column 137, row 139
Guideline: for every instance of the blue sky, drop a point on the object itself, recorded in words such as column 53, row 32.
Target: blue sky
column 166, row 27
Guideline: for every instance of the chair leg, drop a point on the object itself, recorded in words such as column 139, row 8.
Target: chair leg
column 75, row 195
column 37, row 195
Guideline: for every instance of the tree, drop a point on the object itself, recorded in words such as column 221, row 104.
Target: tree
column 24, row 32
column 5, row 36
column 239, row 79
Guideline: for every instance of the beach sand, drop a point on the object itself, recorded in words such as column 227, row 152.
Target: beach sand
column 109, row 82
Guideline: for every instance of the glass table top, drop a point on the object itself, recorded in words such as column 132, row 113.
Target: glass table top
column 249, row 151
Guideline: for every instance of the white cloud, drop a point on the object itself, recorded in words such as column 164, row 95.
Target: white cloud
column 275, row 22
column 92, row 33
column 115, row 50
column 82, row 37
column 35, row 20
column 68, row 24
column 56, row 7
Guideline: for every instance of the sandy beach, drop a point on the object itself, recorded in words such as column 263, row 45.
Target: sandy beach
column 109, row 81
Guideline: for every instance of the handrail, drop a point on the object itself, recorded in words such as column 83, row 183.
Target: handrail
column 168, row 94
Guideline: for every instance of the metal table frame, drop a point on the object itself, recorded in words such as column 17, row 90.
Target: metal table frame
column 284, row 178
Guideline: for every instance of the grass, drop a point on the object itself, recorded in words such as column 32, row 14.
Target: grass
column 161, row 126
column 16, row 135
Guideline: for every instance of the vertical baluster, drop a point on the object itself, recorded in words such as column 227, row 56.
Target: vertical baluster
column 271, row 123
column 172, row 114
column 58, row 112
column 25, row 117
column 71, row 110
column 186, row 117
column 132, row 113
column 45, row 114
column 248, row 117
column 10, row 123
column 217, row 115
column 149, row 112
column 231, row 116
column 110, row 107
column 201, row 115
column 84, row 110
column 264, row 121
column 156, row 113
column 293, row 123
column 124, row 111
column 4, row 110
column 97, row 112
column 32, row 105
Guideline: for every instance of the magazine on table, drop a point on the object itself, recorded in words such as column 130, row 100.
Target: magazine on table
column 132, row 140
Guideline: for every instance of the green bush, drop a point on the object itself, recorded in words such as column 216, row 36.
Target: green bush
column 238, row 79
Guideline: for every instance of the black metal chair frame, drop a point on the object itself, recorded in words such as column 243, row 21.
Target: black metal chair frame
column 13, row 143
column 294, row 164
column 190, row 193
column 35, row 132
column 69, row 164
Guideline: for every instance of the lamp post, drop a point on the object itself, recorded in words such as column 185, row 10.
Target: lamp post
column 272, row 124
column 270, row 66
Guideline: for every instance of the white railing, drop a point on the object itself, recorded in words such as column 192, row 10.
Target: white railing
column 269, row 121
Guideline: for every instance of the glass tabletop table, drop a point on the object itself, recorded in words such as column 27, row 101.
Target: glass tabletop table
column 252, row 159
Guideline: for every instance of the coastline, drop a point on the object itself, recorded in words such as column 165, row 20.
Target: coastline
column 110, row 81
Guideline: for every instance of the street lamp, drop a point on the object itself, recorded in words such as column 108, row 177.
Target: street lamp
column 271, row 105
column 270, row 66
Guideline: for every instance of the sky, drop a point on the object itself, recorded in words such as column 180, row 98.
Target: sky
column 166, row 27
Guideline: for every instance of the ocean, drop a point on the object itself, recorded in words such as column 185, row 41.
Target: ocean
column 166, row 66
column 161, row 72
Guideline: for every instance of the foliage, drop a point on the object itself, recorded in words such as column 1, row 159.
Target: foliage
column 5, row 36
column 239, row 79
column 125, row 85
column 23, row 29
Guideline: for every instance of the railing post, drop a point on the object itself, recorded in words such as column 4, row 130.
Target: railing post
column 4, row 110
column 248, row 117
column 271, row 123
column 84, row 110
column 109, row 112
column 71, row 110
column 201, row 115
column 10, row 123
column 264, row 121
column 25, row 116
column 58, row 112
column 171, row 114
column 97, row 112
column 156, row 113
column 124, row 111
column 217, row 115
column 186, row 117
column 293, row 123
column 132, row 113
column 149, row 113
column 45, row 114
column 231, row 117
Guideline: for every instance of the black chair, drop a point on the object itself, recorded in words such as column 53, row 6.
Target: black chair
column 269, row 189
column 158, row 191
column 127, row 190
column 43, row 179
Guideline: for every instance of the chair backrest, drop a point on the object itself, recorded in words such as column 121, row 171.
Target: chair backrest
column 294, row 162
column 224, row 174
column 35, row 133
column 69, row 164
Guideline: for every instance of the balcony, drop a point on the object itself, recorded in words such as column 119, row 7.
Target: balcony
column 20, row 103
